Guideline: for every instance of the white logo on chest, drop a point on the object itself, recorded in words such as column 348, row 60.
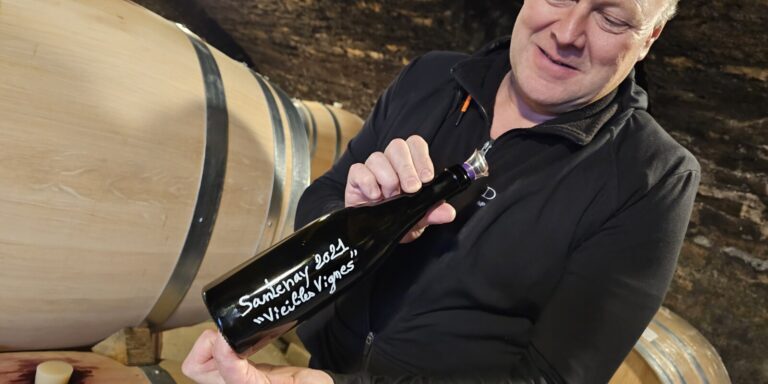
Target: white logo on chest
column 487, row 196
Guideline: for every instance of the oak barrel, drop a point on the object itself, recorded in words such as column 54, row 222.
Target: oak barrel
column 329, row 129
column 138, row 164
column 671, row 351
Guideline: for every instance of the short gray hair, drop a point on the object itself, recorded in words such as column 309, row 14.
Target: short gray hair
column 668, row 12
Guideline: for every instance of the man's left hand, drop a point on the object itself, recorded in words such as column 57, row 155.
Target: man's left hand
column 212, row 361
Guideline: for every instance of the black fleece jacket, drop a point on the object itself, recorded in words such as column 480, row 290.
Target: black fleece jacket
column 555, row 263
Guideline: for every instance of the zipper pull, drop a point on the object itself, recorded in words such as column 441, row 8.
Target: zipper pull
column 464, row 108
column 487, row 147
column 367, row 350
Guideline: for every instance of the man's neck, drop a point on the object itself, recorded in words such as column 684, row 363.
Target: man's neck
column 511, row 112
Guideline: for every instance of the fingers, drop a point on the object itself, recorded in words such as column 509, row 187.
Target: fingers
column 403, row 166
column 232, row 368
column 421, row 160
column 212, row 361
column 383, row 171
column 201, row 353
column 440, row 214
column 362, row 186
column 199, row 364
column 222, row 352
column 399, row 155
column 295, row 375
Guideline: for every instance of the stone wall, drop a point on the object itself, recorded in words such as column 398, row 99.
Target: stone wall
column 708, row 84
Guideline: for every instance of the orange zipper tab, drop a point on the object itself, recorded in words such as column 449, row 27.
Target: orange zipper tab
column 464, row 108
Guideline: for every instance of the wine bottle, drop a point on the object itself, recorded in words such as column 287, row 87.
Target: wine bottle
column 275, row 290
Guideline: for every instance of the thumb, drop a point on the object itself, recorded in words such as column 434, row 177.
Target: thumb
column 440, row 214
column 232, row 368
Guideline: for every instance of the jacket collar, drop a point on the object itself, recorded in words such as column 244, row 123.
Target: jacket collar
column 481, row 74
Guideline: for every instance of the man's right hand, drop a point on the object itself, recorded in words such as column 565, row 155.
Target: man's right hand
column 403, row 167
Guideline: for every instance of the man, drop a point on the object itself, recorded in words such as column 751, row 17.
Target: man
column 548, row 270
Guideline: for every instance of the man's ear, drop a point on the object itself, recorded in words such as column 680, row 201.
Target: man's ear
column 650, row 40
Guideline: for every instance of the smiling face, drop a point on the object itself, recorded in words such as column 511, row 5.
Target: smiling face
column 566, row 54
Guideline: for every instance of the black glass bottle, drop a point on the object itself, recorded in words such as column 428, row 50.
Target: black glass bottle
column 274, row 291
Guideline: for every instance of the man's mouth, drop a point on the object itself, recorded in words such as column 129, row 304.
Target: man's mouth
column 558, row 62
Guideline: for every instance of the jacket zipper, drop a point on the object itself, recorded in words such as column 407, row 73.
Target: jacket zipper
column 367, row 351
column 369, row 338
column 463, row 110
column 486, row 147
column 464, row 107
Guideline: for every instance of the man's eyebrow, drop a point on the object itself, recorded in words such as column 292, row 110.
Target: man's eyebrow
column 635, row 7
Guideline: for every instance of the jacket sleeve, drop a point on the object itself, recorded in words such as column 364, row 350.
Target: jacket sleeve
column 614, row 283
column 612, row 287
column 326, row 194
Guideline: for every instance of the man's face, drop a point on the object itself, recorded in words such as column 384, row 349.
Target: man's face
column 568, row 53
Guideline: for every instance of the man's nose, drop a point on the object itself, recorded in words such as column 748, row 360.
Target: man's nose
column 570, row 29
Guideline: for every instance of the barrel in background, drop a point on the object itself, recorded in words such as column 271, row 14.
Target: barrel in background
column 671, row 351
column 329, row 129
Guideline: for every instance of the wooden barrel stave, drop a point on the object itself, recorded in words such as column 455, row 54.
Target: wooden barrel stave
column 329, row 129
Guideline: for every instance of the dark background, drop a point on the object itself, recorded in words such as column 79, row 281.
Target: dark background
column 708, row 83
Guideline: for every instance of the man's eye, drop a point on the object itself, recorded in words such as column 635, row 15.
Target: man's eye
column 559, row 2
column 613, row 23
